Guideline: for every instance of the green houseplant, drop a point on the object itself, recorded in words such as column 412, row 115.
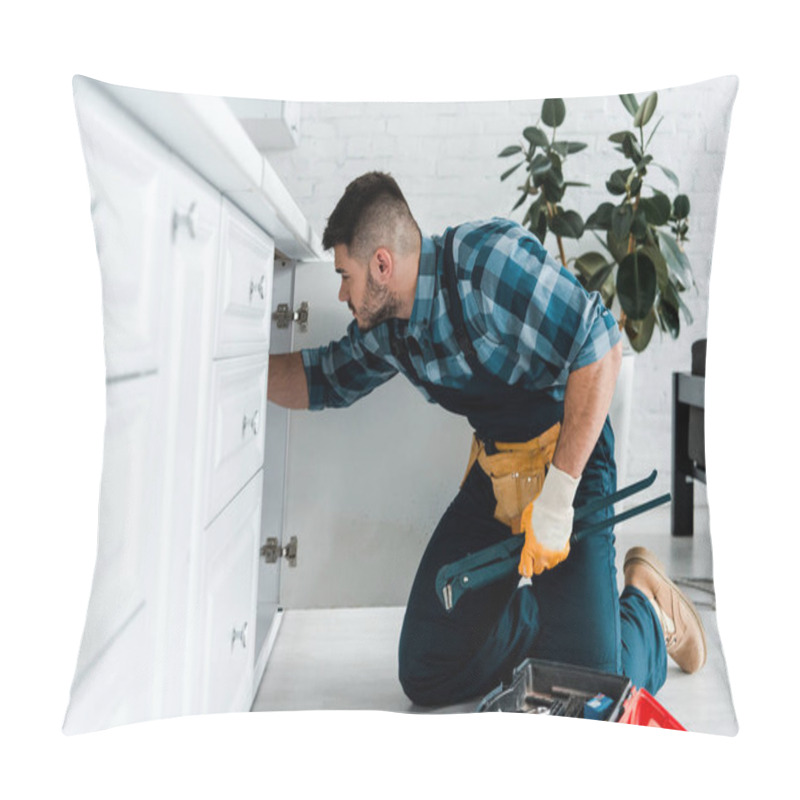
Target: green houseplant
column 643, row 267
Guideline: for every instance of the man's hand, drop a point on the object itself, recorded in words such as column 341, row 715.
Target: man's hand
column 547, row 524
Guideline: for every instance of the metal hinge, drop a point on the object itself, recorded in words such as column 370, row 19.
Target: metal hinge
column 272, row 551
column 284, row 315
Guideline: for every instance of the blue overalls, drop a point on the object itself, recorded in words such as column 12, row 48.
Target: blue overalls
column 571, row 613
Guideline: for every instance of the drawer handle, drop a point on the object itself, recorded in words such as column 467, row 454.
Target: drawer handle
column 190, row 219
column 240, row 635
column 257, row 287
column 250, row 423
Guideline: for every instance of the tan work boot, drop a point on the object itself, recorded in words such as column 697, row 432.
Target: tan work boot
column 683, row 630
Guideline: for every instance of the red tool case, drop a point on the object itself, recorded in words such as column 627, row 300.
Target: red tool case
column 547, row 687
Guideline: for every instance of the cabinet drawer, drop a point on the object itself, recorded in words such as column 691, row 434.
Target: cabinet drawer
column 132, row 224
column 230, row 595
column 245, row 286
column 238, row 410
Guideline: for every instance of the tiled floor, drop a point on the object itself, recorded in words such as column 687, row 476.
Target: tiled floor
column 346, row 659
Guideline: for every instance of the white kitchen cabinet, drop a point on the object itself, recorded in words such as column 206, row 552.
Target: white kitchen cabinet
column 187, row 279
column 130, row 201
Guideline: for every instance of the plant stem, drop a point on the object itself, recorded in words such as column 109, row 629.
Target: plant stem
column 550, row 215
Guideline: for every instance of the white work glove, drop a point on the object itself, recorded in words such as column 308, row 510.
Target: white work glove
column 547, row 523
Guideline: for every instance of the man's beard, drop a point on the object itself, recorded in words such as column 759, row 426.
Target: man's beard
column 379, row 305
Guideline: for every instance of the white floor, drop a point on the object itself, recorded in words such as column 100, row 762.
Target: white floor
column 346, row 659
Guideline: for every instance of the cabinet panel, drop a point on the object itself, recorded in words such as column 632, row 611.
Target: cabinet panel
column 118, row 689
column 238, row 411
column 132, row 223
column 245, row 286
column 127, row 514
column 230, row 603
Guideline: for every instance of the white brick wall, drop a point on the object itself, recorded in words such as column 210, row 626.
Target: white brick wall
column 444, row 156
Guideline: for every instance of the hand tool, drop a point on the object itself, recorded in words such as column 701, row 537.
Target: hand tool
column 500, row 560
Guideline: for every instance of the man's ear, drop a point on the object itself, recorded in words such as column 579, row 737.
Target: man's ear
column 382, row 265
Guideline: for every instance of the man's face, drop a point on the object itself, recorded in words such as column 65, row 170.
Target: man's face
column 370, row 301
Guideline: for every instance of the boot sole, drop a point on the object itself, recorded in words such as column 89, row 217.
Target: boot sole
column 643, row 556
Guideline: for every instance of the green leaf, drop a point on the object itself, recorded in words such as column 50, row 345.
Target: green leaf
column 536, row 136
column 639, row 225
column 631, row 150
column 567, row 224
column 509, row 171
column 671, row 295
column 617, row 248
column 662, row 271
column 553, row 186
column 618, row 182
column 600, row 218
column 640, row 331
column 588, row 263
column 541, row 165
column 595, row 273
column 653, row 133
column 510, row 150
column 680, row 208
column 621, row 221
column 597, row 282
column 656, row 209
column 520, row 201
column 553, row 112
column 670, row 174
column 539, row 228
column 676, row 259
column 630, row 102
column 645, row 110
column 669, row 319
column 532, row 214
column 621, row 136
column 636, row 285
column 567, row 148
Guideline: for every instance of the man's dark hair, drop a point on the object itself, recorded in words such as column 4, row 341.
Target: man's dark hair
column 371, row 213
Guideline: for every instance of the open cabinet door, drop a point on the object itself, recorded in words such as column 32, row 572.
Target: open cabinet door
column 366, row 485
column 276, row 437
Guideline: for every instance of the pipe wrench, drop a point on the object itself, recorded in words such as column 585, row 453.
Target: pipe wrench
column 500, row 560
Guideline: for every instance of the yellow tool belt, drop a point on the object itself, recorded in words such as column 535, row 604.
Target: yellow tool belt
column 517, row 472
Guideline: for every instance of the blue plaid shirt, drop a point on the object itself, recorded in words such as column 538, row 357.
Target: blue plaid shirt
column 529, row 319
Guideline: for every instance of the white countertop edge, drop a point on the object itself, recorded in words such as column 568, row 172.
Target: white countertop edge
column 204, row 132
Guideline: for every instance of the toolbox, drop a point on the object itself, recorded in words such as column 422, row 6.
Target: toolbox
column 554, row 689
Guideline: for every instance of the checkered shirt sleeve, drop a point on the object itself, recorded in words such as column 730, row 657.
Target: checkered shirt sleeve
column 343, row 371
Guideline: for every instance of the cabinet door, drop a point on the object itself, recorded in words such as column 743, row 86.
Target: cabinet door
column 366, row 485
column 276, row 443
column 245, row 286
column 120, row 616
column 132, row 224
column 194, row 257
column 230, row 593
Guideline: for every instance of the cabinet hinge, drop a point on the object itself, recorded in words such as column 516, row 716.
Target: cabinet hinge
column 272, row 551
column 284, row 315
